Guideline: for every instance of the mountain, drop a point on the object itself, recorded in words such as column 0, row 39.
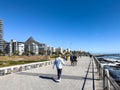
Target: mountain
column 30, row 40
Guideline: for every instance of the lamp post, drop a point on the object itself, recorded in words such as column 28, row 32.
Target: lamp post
column 70, row 45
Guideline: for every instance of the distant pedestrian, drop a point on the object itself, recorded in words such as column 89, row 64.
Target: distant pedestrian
column 65, row 57
column 90, row 56
column 59, row 62
column 75, row 60
column 72, row 60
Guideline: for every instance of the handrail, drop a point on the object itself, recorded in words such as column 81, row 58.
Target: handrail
column 99, row 67
column 108, row 82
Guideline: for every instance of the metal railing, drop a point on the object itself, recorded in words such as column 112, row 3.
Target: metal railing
column 108, row 82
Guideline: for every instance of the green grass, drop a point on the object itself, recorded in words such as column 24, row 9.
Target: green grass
column 12, row 63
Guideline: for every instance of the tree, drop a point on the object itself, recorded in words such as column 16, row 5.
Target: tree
column 2, row 53
column 16, row 53
column 32, row 53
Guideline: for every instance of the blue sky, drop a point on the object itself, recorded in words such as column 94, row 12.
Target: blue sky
column 90, row 25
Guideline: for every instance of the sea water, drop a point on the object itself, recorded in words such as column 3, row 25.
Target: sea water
column 111, row 58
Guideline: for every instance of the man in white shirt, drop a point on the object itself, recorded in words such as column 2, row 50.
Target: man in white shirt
column 58, row 63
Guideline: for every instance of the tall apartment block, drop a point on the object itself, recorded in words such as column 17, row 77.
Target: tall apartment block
column 1, row 35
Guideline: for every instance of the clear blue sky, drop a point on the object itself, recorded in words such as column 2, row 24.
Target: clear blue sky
column 90, row 25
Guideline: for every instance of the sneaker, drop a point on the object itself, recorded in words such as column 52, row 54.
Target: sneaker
column 58, row 80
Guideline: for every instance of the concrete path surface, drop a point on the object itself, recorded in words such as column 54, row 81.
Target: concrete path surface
column 43, row 78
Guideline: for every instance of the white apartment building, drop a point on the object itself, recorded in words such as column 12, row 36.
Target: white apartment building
column 16, row 47
column 20, row 48
column 49, row 48
column 34, row 48
column 60, row 50
column 42, row 47
column 53, row 49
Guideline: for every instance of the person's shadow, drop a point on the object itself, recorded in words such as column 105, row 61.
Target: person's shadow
column 46, row 77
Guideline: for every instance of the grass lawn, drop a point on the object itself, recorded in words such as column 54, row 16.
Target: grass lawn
column 12, row 63
column 17, row 60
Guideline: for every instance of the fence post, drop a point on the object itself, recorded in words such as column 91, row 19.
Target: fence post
column 104, row 79
column 99, row 68
column 107, row 80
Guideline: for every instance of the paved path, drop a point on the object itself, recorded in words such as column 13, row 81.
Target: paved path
column 73, row 78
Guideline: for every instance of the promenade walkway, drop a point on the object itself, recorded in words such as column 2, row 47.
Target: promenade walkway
column 73, row 78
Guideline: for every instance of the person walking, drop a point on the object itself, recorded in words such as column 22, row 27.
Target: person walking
column 59, row 62
column 72, row 60
column 75, row 60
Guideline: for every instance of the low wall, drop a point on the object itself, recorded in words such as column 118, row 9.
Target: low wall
column 23, row 67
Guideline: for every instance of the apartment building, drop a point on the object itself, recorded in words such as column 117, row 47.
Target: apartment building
column 59, row 50
column 53, row 49
column 20, row 48
column 32, row 47
column 1, row 35
column 16, row 47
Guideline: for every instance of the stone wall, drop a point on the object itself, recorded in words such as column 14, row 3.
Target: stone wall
column 18, row 68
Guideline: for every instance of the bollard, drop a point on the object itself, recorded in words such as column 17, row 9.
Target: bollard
column 106, row 82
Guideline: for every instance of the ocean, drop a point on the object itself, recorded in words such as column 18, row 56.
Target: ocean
column 111, row 57
column 114, row 58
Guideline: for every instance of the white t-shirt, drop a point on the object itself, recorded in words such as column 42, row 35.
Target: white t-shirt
column 59, row 62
